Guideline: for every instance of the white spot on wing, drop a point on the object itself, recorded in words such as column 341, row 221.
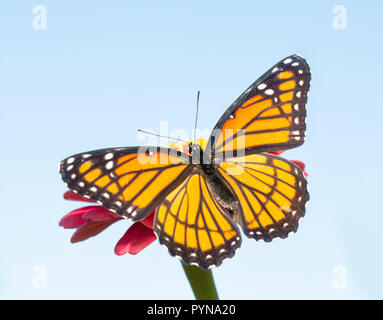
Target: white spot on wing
column 262, row 86
column 108, row 156
column 287, row 61
column 109, row 165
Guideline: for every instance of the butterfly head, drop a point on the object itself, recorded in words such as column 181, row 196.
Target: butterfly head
column 196, row 150
column 202, row 143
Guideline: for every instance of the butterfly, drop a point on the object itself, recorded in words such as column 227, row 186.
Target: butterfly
column 204, row 196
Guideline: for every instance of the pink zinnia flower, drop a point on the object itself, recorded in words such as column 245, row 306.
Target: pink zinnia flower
column 92, row 220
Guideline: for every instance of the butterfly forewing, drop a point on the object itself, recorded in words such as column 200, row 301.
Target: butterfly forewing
column 269, row 115
column 129, row 181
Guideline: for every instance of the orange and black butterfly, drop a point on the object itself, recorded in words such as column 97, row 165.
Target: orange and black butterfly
column 203, row 196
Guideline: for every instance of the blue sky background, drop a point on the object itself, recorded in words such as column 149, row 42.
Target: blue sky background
column 103, row 69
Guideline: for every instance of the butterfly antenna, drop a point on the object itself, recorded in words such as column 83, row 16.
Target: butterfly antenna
column 158, row 135
column 196, row 118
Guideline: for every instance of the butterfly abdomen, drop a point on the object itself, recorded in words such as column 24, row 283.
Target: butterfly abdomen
column 220, row 191
column 202, row 161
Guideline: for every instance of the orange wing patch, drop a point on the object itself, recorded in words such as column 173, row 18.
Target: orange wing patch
column 271, row 192
column 268, row 116
column 193, row 225
column 126, row 181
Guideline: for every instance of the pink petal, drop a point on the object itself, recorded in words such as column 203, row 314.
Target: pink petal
column 185, row 149
column 301, row 165
column 135, row 239
column 277, row 152
column 78, row 217
column 70, row 195
column 100, row 214
column 148, row 221
column 74, row 219
column 90, row 229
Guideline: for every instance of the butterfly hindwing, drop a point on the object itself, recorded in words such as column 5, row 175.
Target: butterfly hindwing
column 194, row 226
column 269, row 115
column 271, row 193
column 129, row 181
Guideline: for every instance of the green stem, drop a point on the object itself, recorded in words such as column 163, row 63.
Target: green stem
column 201, row 282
